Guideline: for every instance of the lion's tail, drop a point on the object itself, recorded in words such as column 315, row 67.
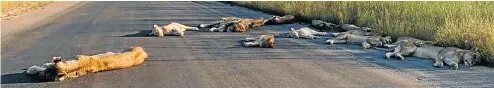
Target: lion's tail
column 139, row 54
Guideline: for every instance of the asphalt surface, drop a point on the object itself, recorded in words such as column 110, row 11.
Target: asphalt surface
column 209, row 59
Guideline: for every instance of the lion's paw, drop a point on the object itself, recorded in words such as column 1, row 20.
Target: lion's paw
column 438, row 65
column 387, row 56
column 454, row 67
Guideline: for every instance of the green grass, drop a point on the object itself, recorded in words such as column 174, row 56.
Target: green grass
column 459, row 24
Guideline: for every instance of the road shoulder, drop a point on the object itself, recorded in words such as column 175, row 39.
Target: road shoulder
column 30, row 19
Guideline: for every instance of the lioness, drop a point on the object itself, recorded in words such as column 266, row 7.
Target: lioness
column 280, row 20
column 355, row 32
column 245, row 24
column 59, row 70
column 219, row 23
column 365, row 41
column 410, row 39
column 305, row 32
column 173, row 28
column 321, row 25
column 263, row 41
column 347, row 27
column 449, row 55
column 404, row 46
column 231, row 24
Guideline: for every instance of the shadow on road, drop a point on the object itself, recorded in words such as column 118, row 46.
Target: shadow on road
column 21, row 77
column 142, row 33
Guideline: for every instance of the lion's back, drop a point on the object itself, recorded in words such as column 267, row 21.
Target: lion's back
column 427, row 52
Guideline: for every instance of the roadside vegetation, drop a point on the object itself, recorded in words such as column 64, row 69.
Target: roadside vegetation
column 459, row 24
column 13, row 8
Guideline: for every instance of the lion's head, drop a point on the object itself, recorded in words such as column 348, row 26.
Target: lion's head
column 51, row 71
column 158, row 30
column 470, row 58
column 386, row 40
column 293, row 33
column 270, row 41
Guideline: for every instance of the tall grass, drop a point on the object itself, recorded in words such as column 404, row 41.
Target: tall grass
column 18, row 7
column 460, row 24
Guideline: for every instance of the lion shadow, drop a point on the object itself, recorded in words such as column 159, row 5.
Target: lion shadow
column 142, row 33
column 240, row 44
column 21, row 77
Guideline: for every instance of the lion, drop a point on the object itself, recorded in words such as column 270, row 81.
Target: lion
column 263, row 41
column 365, row 41
column 321, row 25
column 347, row 27
column 245, row 24
column 404, row 46
column 452, row 56
column 173, row 28
column 280, row 20
column 60, row 70
column 234, row 25
column 355, row 32
column 223, row 21
column 305, row 32
column 411, row 39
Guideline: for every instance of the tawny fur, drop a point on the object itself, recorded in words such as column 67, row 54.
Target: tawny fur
column 100, row 62
column 321, row 25
column 287, row 19
column 173, row 28
column 263, row 41
column 452, row 56
column 305, row 32
column 244, row 25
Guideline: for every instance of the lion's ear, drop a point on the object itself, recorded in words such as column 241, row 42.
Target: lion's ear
column 57, row 59
column 293, row 29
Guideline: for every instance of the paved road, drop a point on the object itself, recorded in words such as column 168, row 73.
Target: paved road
column 201, row 59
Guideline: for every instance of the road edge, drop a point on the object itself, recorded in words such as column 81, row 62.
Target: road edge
column 35, row 18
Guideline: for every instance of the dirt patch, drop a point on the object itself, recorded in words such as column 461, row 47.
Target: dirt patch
column 11, row 9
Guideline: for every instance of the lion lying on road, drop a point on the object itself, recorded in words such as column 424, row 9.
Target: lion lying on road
column 452, row 56
column 59, row 70
column 411, row 39
column 365, row 41
column 323, row 26
column 173, row 28
column 355, row 32
column 347, row 27
column 404, row 46
column 280, row 20
column 233, row 24
column 263, row 41
column 305, row 32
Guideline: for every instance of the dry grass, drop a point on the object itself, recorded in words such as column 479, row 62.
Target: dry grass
column 460, row 24
column 13, row 8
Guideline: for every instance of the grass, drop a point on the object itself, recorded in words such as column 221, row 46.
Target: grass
column 459, row 24
column 19, row 7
